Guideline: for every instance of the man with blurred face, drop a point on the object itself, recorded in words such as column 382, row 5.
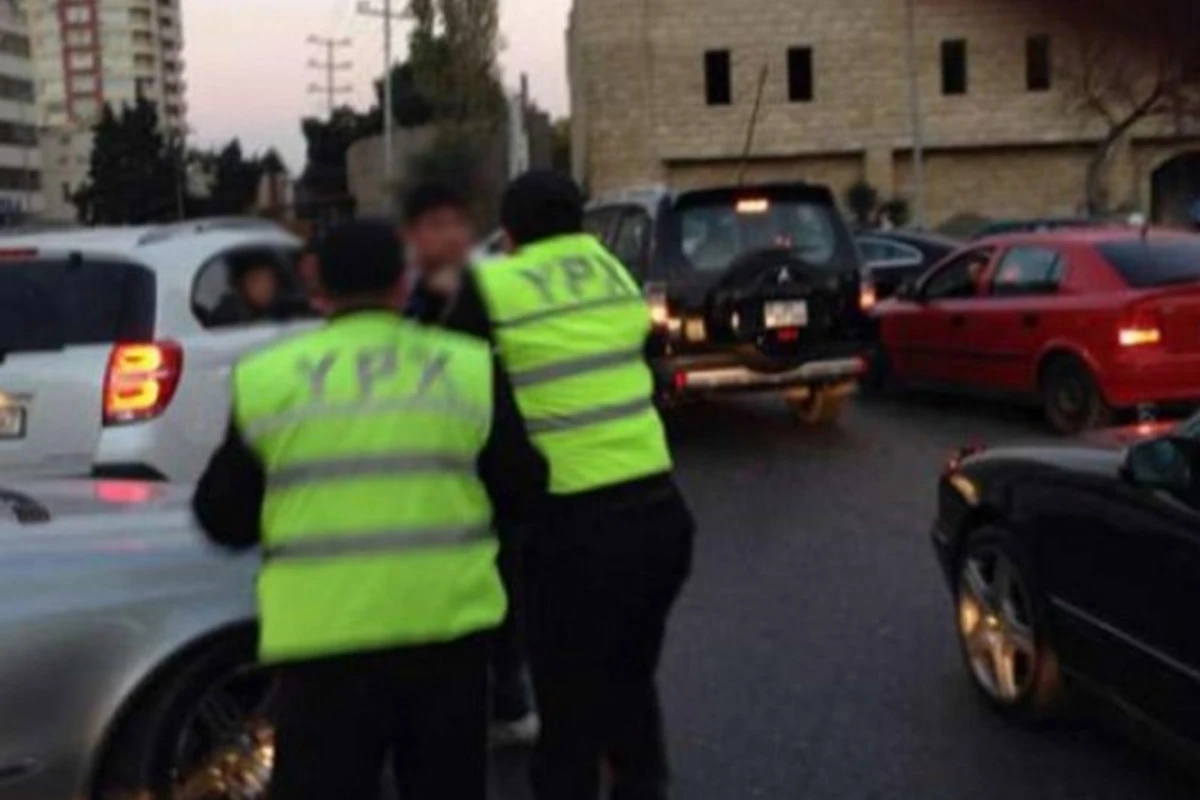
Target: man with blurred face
column 439, row 236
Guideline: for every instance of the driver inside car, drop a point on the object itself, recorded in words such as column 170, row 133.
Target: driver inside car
column 256, row 295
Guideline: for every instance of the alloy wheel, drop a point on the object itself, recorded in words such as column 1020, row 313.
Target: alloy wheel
column 226, row 747
column 996, row 625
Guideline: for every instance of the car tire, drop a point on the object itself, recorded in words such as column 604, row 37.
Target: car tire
column 1071, row 397
column 820, row 406
column 1002, row 624
column 140, row 757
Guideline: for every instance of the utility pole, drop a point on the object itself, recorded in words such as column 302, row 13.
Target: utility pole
column 389, row 124
column 331, row 67
column 914, row 107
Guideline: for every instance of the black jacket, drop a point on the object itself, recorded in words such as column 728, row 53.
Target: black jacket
column 228, row 500
column 465, row 312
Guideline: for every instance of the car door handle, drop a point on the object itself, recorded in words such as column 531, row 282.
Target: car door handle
column 958, row 321
column 1031, row 320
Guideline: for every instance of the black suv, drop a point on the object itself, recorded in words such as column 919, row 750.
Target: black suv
column 753, row 289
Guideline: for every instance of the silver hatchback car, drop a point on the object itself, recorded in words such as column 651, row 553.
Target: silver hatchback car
column 126, row 649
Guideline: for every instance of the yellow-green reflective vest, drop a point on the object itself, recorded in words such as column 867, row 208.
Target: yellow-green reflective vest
column 376, row 529
column 571, row 325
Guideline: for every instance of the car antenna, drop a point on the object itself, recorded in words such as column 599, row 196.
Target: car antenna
column 752, row 125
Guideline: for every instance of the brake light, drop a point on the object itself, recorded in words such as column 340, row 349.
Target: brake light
column 124, row 492
column 18, row 255
column 1141, row 329
column 753, row 205
column 867, row 297
column 1138, row 337
column 141, row 381
column 660, row 312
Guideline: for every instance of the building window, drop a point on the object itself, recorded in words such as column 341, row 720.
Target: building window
column 20, row 179
column 954, row 66
column 79, row 15
column 79, row 37
column 18, row 134
column 1037, row 63
column 16, row 89
column 800, row 74
column 717, row 88
column 82, row 61
column 14, row 44
column 84, row 84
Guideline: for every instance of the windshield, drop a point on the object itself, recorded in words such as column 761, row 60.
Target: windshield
column 48, row 305
column 1150, row 263
column 713, row 235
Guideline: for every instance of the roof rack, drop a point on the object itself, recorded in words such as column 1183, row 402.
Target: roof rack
column 164, row 233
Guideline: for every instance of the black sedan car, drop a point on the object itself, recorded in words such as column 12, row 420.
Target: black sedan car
column 1078, row 568
column 892, row 257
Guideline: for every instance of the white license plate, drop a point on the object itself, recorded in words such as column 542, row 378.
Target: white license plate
column 12, row 422
column 792, row 314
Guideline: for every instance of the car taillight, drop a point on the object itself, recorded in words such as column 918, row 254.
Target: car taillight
column 141, row 381
column 1142, row 328
column 867, row 297
column 660, row 312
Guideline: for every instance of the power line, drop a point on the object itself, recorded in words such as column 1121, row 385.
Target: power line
column 331, row 67
column 387, row 16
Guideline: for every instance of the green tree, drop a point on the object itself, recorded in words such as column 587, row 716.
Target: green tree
column 863, row 200
column 136, row 171
column 324, row 182
column 235, row 181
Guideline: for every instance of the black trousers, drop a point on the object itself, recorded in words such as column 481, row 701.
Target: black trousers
column 510, row 695
column 340, row 719
column 601, row 582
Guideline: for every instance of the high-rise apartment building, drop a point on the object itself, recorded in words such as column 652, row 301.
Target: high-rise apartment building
column 88, row 53
column 20, row 160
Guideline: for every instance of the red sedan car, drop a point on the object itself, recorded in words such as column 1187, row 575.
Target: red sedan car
column 1087, row 321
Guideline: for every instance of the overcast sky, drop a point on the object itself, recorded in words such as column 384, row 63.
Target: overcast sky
column 246, row 74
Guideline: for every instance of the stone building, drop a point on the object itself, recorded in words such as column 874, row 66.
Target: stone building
column 664, row 91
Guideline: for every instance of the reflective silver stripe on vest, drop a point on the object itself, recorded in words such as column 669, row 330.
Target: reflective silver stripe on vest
column 578, row 366
column 264, row 425
column 595, row 416
column 389, row 541
column 368, row 467
column 589, row 305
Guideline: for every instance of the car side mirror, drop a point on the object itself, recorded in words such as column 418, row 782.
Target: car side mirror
column 1167, row 463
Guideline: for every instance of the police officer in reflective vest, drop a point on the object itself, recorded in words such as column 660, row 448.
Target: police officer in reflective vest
column 605, row 566
column 369, row 459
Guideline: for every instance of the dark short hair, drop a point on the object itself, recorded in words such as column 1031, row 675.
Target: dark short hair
column 361, row 257
column 539, row 205
column 425, row 198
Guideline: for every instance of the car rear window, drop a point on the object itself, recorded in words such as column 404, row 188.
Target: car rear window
column 1145, row 264
column 709, row 230
column 52, row 304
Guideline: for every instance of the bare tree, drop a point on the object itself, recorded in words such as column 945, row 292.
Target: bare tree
column 1133, row 77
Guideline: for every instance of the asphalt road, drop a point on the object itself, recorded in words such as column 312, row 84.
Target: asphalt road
column 813, row 656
